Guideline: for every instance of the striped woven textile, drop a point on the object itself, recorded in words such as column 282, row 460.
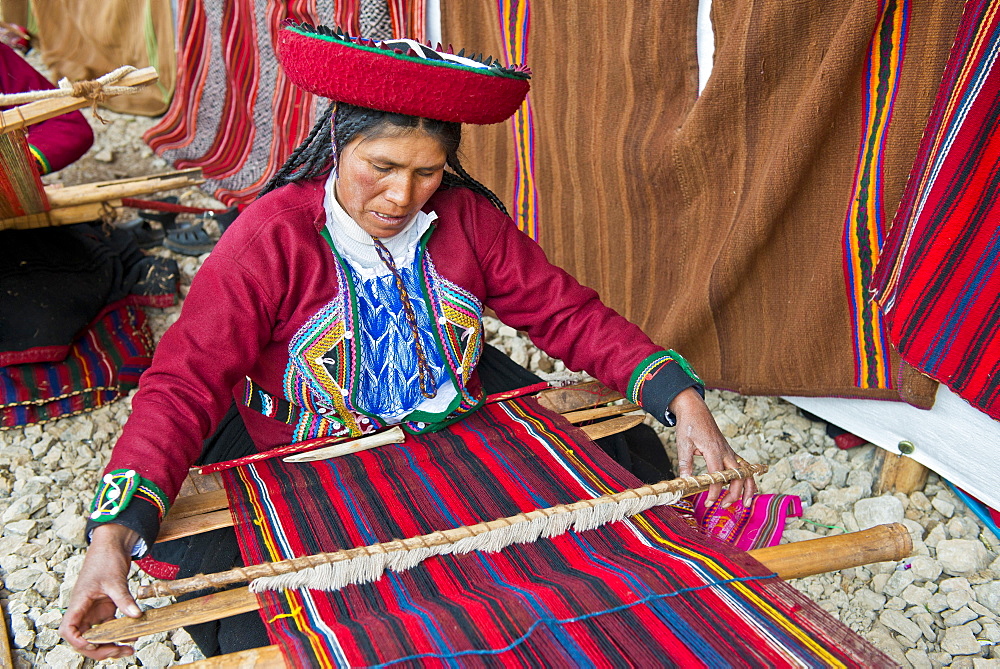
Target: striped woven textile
column 234, row 114
column 650, row 591
column 938, row 281
column 102, row 365
column 20, row 186
column 864, row 227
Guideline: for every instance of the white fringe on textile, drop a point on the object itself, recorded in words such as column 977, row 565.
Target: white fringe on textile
column 370, row 567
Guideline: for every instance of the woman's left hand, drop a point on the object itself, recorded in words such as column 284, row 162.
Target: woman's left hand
column 698, row 434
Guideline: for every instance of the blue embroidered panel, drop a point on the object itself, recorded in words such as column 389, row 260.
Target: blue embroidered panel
column 387, row 382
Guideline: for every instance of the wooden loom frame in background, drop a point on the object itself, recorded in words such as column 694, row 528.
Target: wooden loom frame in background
column 44, row 206
column 202, row 506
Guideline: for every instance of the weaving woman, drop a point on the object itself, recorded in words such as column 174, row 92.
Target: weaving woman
column 349, row 297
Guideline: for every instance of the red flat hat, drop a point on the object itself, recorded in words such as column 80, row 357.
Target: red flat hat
column 400, row 76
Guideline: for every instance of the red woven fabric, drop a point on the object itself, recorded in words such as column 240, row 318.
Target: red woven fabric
column 937, row 281
column 104, row 363
column 650, row 591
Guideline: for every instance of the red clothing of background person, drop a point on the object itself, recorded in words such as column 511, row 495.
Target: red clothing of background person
column 58, row 141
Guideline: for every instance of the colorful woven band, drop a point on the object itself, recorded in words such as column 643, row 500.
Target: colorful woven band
column 118, row 488
column 43, row 163
column 401, row 76
column 649, row 367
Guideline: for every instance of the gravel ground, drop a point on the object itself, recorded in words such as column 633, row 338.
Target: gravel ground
column 940, row 607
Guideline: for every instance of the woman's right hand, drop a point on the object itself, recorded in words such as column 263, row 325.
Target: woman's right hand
column 100, row 590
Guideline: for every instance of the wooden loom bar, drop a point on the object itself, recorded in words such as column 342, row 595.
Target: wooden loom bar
column 6, row 658
column 577, row 396
column 267, row 657
column 186, row 523
column 684, row 486
column 93, row 200
column 804, row 558
column 103, row 191
column 877, row 544
column 41, row 110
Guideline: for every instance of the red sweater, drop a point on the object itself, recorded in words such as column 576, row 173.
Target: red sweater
column 58, row 141
column 272, row 272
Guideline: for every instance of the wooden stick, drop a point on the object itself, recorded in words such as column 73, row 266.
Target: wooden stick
column 897, row 473
column 195, row 505
column 804, row 558
column 613, row 426
column 817, row 556
column 102, row 191
column 105, row 199
column 685, row 486
column 6, row 658
column 577, row 396
column 175, row 528
column 202, row 610
column 577, row 417
column 36, row 112
column 393, row 436
column 267, row 657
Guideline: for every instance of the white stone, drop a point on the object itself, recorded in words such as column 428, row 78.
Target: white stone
column 919, row 500
column 918, row 659
column 155, row 655
column 961, row 557
column 869, row 600
column 992, row 632
column 47, row 586
column 958, row 599
column 882, row 639
column 898, row 581
column 944, row 507
column 841, row 499
column 915, row 595
column 22, row 579
column 815, row 470
column 874, row 511
column 23, row 507
column 46, row 638
column 960, row 617
column 899, row 623
column 925, row 568
column 936, row 535
column 925, row 622
column 64, row 657
column 70, row 528
column 23, row 528
column 985, row 663
column 959, row 641
column 949, row 585
column 988, row 595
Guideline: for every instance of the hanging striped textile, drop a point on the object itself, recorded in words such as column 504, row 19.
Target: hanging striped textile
column 101, row 366
column 864, row 227
column 515, row 24
column 21, row 190
column 649, row 591
column 938, row 282
column 234, row 114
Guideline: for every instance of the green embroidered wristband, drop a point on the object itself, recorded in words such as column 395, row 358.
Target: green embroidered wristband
column 685, row 365
column 117, row 488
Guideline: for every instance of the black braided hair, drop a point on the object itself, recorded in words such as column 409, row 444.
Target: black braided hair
column 318, row 153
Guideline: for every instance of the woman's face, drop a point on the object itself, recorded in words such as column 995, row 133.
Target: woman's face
column 383, row 181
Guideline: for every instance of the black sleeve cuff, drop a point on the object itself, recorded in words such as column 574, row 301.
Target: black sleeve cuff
column 658, row 380
column 141, row 516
